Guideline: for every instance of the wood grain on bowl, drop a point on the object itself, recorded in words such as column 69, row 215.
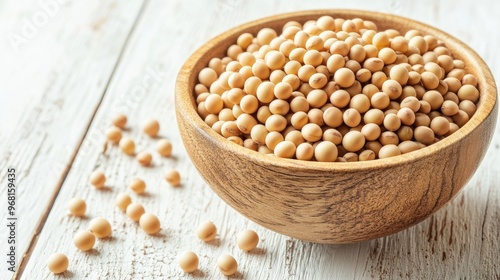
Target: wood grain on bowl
column 336, row 202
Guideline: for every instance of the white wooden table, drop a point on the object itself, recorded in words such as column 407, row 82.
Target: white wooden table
column 67, row 66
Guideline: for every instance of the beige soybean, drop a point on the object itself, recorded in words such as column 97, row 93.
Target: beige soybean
column 247, row 240
column 468, row 107
column 276, row 123
column 188, row 261
column 173, row 177
column 405, row 133
column 152, row 127
column 360, row 102
column 406, row 116
column 135, row 211
column 313, row 58
column 429, row 80
column 425, row 107
column 392, row 122
column 207, row 76
column 299, row 104
column 227, row 265
column 381, row 40
column 440, row 125
column 387, row 55
column 315, row 115
column 363, row 75
column 344, row 77
column 380, row 100
column 100, row 227
column 122, row 201
column 366, row 155
column 206, row 231
column 371, row 131
column 138, row 186
column 235, row 139
column 453, row 128
column 374, row 146
column 97, row 179
column 325, row 151
column 351, row 157
column 120, row 121
column 263, row 113
column 434, row 98
column 283, row 90
column 408, row 146
column 304, row 151
column 317, row 98
column 230, row 128
column 285, row 149
column 460, row 118
column 249, row 104
column 144, row 158
column 127, row 146
column 468, row 92
column 245, row 123
column 259, row 133
column 299, row 119
column 424, row 135
column 250, row 144
column 389, row 151
column 333, row 117
column 295, row 136
column 279, row 107
column 214, row 103
column 340, row 98
column 57, row 263
column 318, row 80
column 164, row 147
column 374, row 115
column 84, row 240
column 469, row 79
column 411, row 102
column 265, row 35
column 150, row 223
column 353, row 141
column 114, row 134
column 312, row 132
column 449, row 108
column 388, row 137
column 400, row 74
column 351, row 117
column 392, row 88
column 273, row 138
column 77, row 207
column 275, row 60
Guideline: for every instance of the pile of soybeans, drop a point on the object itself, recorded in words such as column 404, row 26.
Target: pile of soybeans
column 336, row 90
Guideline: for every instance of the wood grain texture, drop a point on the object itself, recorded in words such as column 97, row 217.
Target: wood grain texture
column 460, row 241
column 73, row 55
column 336, row 202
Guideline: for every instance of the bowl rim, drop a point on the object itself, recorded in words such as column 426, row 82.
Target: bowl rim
column 185, row 102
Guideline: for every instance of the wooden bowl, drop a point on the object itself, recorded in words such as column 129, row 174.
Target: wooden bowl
column 336, row 202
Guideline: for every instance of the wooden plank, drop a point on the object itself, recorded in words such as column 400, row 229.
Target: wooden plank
column 460, row 241
column 46, row 81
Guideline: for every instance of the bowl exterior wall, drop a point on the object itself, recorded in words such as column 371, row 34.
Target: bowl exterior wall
column 335, row 206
